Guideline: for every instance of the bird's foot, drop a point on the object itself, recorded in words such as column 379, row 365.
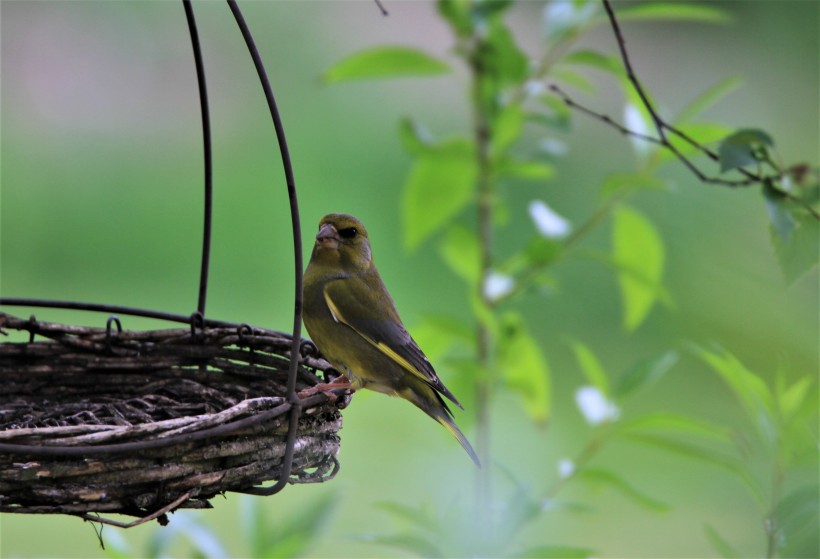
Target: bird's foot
column 327, row 388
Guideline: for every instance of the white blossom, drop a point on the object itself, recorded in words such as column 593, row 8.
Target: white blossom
column 553, row 146
column 634, row 121
column 549, row 224
column 566, row 468
column 497, row 285
column 594, row 406
column 534, row 88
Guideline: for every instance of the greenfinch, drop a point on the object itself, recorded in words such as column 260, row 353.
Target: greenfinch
column 354, row 323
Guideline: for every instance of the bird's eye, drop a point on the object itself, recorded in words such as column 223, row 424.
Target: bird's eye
column 348, row 232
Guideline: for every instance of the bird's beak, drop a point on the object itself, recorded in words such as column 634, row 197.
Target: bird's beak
column 328, row 237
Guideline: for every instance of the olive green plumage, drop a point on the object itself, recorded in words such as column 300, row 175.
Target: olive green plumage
column 352, row 320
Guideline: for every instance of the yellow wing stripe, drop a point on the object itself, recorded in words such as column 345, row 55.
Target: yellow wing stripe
column 337, row 316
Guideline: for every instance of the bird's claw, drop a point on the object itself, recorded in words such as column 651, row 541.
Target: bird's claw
column 327, row 388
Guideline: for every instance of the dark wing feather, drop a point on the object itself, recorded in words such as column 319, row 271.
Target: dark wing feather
column 353, row 302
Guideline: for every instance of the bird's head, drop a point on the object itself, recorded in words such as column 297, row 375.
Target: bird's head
column 342, row 240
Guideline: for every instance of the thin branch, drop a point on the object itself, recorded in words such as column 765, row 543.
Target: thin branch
column 616, row 28
column 664, row 129
column 482, row 136
column 170, row 507
column 663, row 141
column 606, row 119
column 381, row 7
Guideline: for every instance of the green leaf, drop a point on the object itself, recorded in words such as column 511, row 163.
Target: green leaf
column 728, row 463
column 507, row 127
column 702, row 133
column 290, row 537
column 591, row 367
column 744, row 147
column 524, row 367
column 519, row 510
column 708, row 98
column 749, row 389
column 461, row 252
column 611, row 479
column 439, row 186
column 414, row 515
column 624, row 183
column 638, row 251
column 607, row 62
column 556, row 552
column 482, row 312
column 719, row 544
column 252, row 523
column 502, row 60
column 798, row 253
column 385, row 62
column 438, row 334
column 780, row 213
column 485, row 9
column 415, row 138
column 790, row 399
column 541, row 251
column 525, row 170
column 797, row 517
column 464, row 15
column 570, row 77
column 672, row 423
column 644, row 373
column 672, row 11
column 559, row 116
column 407, row 542
column 187, row 528
column 457, row 14
column 116, row 546
column 451, row 327
column 466, row 371
column 564, row 19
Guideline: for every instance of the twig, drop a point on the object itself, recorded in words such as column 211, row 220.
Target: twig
column 167, row 508
column 663, row 141
column 664, row 129
column 381, row 7
column 606, row 119
column 660, row 124
column 630, row 74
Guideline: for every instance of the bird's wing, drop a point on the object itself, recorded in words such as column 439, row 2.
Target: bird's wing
column 353, row 302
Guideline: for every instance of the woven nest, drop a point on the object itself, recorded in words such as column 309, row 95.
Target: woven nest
column 96, row 420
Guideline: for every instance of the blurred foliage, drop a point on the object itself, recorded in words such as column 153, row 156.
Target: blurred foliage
column 464, row 174
column 263, row 537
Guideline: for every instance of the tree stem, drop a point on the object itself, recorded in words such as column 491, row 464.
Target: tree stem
column 482, row 137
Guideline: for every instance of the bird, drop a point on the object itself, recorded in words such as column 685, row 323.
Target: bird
column 353, row 321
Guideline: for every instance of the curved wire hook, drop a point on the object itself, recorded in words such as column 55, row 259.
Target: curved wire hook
column 295, row 356
column 206, row 145
column 113, row 319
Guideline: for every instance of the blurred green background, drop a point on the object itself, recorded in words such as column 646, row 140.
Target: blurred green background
column 101, row 176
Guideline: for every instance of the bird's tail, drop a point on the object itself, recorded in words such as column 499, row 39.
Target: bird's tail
column 429, row 401
column 451, row 426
